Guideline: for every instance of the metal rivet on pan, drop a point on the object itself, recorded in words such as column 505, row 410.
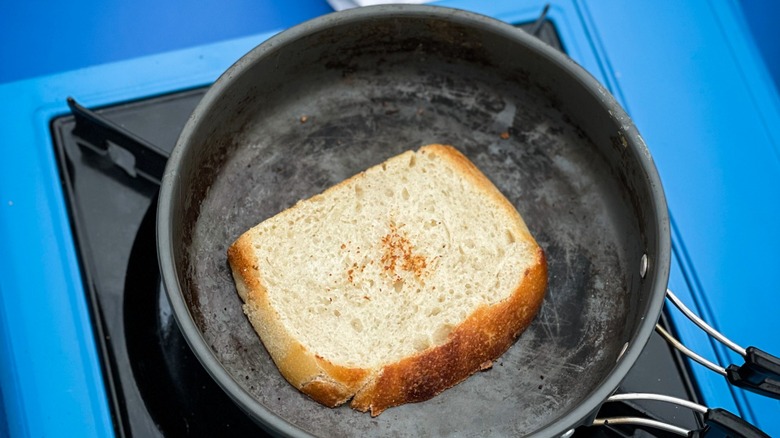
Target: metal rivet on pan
column 622, row 351
column 568, row 433
column 643, row 266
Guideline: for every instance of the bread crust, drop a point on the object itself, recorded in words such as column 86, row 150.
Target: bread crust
column 471, row 346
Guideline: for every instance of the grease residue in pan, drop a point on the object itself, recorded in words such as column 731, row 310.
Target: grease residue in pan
column 546, row 167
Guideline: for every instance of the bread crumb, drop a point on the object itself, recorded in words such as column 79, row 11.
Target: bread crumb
column 504, row 135
column 304, row 119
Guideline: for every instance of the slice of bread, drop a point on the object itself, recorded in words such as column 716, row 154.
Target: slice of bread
column 393, row 285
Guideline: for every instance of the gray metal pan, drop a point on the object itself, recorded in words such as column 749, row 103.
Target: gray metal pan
column 329, row 98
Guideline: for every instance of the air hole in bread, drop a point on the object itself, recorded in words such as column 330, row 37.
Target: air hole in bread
column 358, row 191
column 421, row 342
column 435, row 311
column 398, row 285
column 405, row 194
column 336, row 312
column 389, row 193
column 356, row 325
column 412, row 161
column 440, row 334
column 510, row 237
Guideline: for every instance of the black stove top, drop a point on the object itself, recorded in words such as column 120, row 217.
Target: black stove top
column 156, row 386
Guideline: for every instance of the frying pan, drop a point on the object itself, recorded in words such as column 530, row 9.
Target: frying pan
column 322, row 101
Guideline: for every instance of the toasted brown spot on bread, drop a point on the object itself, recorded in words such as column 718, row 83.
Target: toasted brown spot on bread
column 398, row 253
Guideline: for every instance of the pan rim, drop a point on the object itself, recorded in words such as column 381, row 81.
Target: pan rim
column 171, row 187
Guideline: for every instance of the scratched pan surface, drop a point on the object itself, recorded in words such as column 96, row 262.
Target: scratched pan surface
column 331, row 98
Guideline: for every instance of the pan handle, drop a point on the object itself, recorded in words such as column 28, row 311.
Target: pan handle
column 718, row 422
column 761, row 371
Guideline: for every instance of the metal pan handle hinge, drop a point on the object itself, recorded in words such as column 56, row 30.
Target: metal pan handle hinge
column 718, row 423
column 761, row 371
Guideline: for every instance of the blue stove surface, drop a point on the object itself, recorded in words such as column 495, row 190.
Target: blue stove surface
column 688, row 73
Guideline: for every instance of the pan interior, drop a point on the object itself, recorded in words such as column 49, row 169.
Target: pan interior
column 307, row 123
